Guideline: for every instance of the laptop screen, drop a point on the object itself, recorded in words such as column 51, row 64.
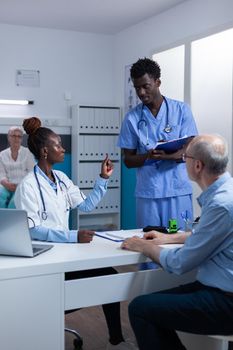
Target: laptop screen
column 15, row 237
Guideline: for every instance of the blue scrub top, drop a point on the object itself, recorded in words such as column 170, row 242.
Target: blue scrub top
column 163, row 178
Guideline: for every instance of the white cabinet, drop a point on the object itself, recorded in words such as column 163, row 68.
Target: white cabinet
column 94, row 133
column 32, row 311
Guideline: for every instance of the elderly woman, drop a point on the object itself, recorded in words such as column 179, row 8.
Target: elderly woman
column 15, row 162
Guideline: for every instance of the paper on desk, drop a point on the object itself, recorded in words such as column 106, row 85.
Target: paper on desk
column 119, row 236
column 171, row 246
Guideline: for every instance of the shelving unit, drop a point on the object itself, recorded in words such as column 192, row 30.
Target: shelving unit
column 95, row 131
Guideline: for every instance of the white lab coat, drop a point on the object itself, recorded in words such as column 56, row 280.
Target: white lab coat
column 27, row 197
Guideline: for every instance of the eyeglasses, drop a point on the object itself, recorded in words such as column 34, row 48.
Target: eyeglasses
column 185, row 156
column 16, row 136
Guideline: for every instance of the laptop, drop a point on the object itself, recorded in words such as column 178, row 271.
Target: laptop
column 15, row 237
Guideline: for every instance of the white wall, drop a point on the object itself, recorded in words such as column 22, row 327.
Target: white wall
column 189, row 19
column 91, row 67
column 78, row 63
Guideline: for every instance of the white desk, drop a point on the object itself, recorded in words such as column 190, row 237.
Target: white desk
column 34, row 295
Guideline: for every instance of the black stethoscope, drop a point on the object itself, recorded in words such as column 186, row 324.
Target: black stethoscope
column 143, row 121
column 44, row 214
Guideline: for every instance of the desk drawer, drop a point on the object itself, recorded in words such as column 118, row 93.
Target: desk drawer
column 123, row 286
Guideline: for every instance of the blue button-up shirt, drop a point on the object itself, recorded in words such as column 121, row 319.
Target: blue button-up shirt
column 210, row 246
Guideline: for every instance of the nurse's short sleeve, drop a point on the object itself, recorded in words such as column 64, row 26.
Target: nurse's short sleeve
column 188, row 124
column 128, row 137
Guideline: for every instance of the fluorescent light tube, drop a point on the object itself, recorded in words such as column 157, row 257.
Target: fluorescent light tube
column 16, row 102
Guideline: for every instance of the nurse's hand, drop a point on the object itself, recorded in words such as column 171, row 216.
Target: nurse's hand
column 85, row 236
column 106, row 168
column 161, row 155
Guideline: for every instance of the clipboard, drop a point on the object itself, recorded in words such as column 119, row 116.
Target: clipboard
column 172, row 146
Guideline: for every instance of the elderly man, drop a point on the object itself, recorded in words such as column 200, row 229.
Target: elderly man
column 205, row 306
column 15, row 162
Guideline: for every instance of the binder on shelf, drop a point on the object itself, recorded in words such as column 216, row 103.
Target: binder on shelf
column 95, row 131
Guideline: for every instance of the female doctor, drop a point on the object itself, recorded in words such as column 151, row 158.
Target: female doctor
column 48, row 195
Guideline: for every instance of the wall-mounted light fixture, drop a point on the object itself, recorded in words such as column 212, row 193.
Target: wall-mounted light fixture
column 16, row 102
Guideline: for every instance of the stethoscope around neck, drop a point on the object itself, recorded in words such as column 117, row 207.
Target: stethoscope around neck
column 44, row 214
column 143, row 121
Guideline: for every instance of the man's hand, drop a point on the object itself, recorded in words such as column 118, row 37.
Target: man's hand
column 85, row 236
column 144, row 246
column 158, row 237
column 149, row 244
column 166, row 238
column 135, row 243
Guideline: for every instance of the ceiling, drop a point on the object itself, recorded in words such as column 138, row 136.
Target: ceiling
column 93, row 16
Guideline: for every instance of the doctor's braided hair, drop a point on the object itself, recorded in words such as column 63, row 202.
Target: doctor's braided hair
column 37, row 135
column 145, row 66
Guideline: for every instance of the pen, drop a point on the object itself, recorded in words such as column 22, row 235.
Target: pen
column 186, row 219
column 188, row 222
column 114, row 236
column 185, row 216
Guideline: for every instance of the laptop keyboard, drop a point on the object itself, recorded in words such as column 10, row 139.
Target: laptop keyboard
column 35, row 250
column 40, row 248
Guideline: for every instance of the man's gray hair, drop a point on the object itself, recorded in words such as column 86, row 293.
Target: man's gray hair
column 212, row 150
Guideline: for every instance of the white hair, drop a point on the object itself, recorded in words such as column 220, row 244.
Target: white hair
column 14, row 128
column 212, row 150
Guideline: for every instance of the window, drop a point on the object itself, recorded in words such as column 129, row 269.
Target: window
column 172, row 72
